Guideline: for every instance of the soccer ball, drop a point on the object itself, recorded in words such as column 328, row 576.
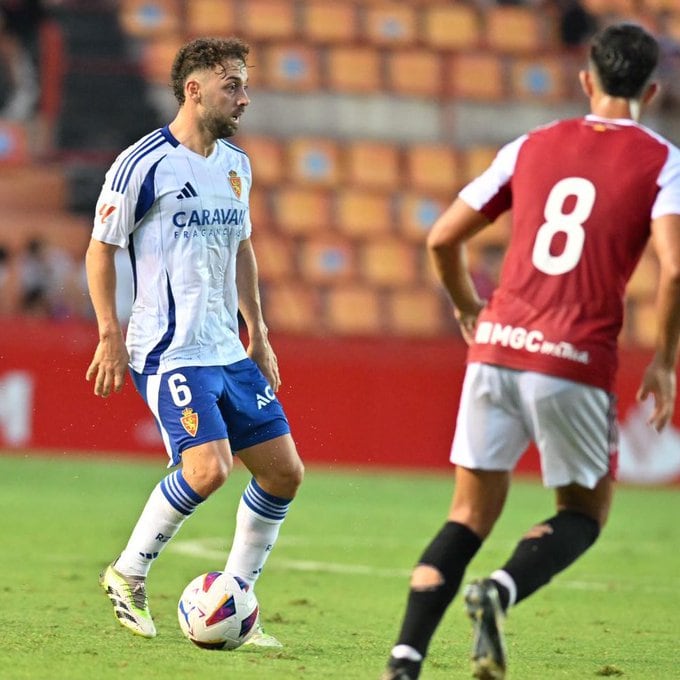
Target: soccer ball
column 217, row 611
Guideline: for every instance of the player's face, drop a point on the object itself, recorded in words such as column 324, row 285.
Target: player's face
column 224, row 98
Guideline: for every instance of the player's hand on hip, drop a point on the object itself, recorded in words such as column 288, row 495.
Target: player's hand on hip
column 109, row 366
column 467, row 320
column 660, row 382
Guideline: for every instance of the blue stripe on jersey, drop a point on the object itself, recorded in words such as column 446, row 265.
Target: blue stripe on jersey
column 232, row 146
column 143, row 148
column 133, row 264
column 169, row 136
column 153, row 359
column 147, row 194
column 179, row 494
column 264, row 504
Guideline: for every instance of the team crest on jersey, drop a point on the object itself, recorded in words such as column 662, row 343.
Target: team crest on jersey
column 189, row 421
column 235, row 182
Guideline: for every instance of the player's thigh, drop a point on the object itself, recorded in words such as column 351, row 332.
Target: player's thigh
column 184, row 403
column 250, row 408
column 595, row 502
column 276, row 465
column 574, row 427
column 206, row 467
column 490, row 431
column 478, row 498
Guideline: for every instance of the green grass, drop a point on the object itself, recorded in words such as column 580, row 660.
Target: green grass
column 334, row 587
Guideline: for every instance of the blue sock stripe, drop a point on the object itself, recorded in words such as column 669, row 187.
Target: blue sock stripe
column 263, row 503
column 179, row 494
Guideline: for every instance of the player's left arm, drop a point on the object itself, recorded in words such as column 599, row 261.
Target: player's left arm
column 250, row 306
column 659, row 379
column 446, row 246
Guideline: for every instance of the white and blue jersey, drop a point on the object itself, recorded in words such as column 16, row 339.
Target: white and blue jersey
column 182, row 217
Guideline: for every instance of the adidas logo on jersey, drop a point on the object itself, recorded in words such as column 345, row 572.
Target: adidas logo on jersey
column 264, row 399
column 187, row 191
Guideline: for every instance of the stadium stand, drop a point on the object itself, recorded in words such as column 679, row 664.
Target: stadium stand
column 340, row 217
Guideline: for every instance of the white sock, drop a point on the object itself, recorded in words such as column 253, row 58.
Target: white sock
column 258, row 520
column 507, row 582
column 406, row 652
column 169, row 504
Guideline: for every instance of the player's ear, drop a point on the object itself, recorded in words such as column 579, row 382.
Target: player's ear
column 650, row 92
column 586, row 80
column 192, row 91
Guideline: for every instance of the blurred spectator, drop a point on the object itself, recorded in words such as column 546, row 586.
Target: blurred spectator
column 44, row 273
column 576, row 24
column 20, row 22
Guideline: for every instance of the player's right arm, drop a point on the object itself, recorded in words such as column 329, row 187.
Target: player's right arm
column 110, row 361
column 446, row 246
column 659, row 379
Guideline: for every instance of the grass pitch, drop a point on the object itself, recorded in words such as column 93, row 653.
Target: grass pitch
column 334, row 587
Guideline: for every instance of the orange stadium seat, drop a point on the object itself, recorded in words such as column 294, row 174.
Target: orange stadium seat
column 353, row 310
column 477, row 159
column 327, row 259
column 302, row 210
column 645, row 323
column 268, row 20
column 372, row 164
column 391, row 23
column 361, row 214
column 540, row 79
column 416, row 312
column 389, row 262
column 157, row 55
column 643, row 282
column 328, row 21
column 496, row 234
column 292, row 67
column 354, row 69
column 477, row 76
column 514, row 29
column 292, row 306
column 417, row 213
column 29, row 184
column 415, row 73
column 274, row 255
column 602, row 7
column 261, row 209
column 313, row 161
column 451, row 26
column 432, row 168
column 148, row 18
column 266, row 158
column 210, row 17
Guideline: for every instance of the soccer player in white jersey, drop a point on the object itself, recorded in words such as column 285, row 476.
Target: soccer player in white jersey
column 586, row 195
column 177, row 200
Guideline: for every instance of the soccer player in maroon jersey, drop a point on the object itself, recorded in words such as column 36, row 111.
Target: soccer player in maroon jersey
column 587, row 195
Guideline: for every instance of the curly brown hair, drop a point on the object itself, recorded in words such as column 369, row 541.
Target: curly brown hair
column 203, row 53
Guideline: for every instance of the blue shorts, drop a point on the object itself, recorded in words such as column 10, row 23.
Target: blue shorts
column 199, row 404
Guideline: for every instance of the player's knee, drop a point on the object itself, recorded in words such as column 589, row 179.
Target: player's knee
column 209, row 476
column 426, row 577
column 283, row 482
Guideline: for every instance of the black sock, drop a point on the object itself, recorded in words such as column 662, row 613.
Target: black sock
column 450, row 552
column 536, row 560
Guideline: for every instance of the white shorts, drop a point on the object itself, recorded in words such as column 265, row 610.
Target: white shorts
column 503, row 410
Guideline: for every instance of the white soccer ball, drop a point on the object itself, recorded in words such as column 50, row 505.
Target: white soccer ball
column 217, row 611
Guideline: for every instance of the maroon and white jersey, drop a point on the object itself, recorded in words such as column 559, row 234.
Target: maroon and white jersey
column 582, row 194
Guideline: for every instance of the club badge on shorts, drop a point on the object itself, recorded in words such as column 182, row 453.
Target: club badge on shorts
column 189, row 421
column 235, row 182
